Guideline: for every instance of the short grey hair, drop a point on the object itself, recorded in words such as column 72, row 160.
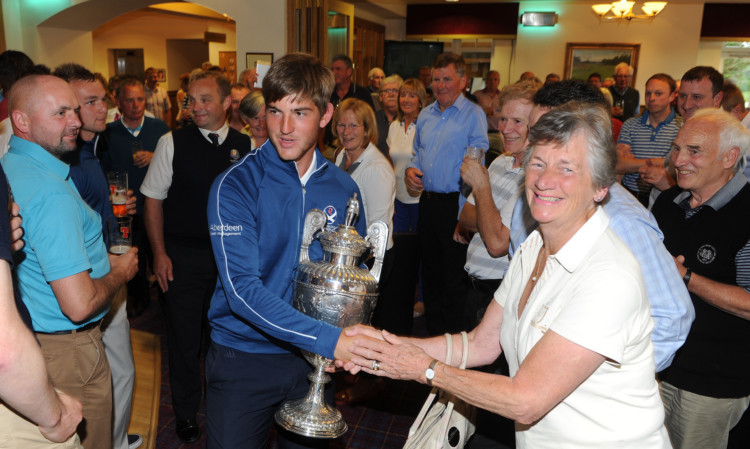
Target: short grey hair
column 251, row 104
column 372, row 71
column 624, row 65
column 731, row 132
column 391, row 79
column 559, row 125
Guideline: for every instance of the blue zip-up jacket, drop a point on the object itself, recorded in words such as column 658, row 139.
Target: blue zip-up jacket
column 256, row 213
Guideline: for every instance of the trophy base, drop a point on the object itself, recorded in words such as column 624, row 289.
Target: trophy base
column 309, row 419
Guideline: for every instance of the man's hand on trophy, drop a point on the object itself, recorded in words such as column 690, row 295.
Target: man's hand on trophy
column 349, row 338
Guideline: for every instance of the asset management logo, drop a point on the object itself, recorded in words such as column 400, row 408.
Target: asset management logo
column 225, row 230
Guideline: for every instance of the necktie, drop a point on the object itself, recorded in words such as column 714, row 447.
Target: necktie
column 214, row 139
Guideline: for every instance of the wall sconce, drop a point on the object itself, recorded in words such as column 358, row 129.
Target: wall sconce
column 539, row 19
column 623, row 10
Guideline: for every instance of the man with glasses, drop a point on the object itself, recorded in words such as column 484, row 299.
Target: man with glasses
column 626, row 99
column 343, row 69
column 388, row 97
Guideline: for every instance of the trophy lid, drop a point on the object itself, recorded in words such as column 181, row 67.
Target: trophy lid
column 344, row 239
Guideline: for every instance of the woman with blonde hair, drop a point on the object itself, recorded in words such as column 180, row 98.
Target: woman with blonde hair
column 356, row 132
column 411, row 99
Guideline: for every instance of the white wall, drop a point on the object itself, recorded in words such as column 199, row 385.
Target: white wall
column 502, row 53
column 150, row 32
column 55, row 46
column 709, row 53
column 261, row 27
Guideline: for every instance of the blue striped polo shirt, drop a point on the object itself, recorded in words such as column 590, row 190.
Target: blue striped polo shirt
column 647, row 142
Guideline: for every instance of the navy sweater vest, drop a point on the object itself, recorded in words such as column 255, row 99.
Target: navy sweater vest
column 195, row 165
column 713, row 361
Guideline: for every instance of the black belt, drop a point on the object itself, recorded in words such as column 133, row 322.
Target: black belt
column 483, row 284
column 84, row 328
column 452, row 196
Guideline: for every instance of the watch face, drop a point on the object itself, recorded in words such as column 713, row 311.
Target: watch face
column 429, row 374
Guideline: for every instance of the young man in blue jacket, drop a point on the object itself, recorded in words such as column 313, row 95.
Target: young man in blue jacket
column 256, row 215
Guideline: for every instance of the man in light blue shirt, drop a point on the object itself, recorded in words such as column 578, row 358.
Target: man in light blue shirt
column 444, row 129
column 671, row 307
column 67, row 278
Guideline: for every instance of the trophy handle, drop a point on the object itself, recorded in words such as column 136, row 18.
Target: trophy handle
column 315, row 221
column 377, row 234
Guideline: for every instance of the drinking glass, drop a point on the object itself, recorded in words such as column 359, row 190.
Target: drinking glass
column 120, row 234
column 474, row 153
column 135, row 147
column 118, row 192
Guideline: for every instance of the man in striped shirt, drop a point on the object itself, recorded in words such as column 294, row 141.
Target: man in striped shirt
column 646, row 139
column 486, row 258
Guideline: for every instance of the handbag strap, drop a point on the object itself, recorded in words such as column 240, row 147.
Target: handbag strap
column 445, row 421
column 434, row 392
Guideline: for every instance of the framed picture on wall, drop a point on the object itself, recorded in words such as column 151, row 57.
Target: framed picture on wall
column 161, row 75
column 252, row 59
column 582, row 59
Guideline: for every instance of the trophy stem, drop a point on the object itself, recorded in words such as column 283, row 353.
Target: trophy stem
column 311, row 416
column 318, row 379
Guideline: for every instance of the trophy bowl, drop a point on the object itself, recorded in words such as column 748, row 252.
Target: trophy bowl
column 339, row 292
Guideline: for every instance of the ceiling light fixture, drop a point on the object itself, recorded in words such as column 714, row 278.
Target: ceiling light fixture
column 623, row 10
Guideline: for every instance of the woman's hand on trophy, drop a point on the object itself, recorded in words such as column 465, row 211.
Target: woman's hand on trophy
column 391, row 357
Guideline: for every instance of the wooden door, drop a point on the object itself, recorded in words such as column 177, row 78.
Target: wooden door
column 228, row 62
column 369, row 44
column 307, row 27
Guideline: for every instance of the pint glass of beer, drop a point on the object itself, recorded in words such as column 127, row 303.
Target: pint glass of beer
column 118, row 192
column 120, row 234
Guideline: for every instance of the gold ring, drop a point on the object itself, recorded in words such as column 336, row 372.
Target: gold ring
column 375, row 365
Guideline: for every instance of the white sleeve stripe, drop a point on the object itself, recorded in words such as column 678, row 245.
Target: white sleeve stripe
column 225, row 265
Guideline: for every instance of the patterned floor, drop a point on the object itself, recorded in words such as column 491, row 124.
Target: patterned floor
column 381, row 423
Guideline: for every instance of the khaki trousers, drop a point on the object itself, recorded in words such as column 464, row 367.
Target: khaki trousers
column 700, row 422
column 77, row 365
column 17, row 432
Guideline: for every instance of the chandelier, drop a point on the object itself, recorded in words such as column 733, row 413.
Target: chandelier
column 623, row 10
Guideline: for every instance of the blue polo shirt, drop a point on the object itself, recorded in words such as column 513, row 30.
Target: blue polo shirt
column 441, row 140
column 647, row 142
column 63, row 235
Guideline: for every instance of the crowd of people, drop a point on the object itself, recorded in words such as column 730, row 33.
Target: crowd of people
column 596, row 254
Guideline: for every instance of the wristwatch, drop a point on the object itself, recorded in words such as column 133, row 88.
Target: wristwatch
column 686, row 278
column 429, row 374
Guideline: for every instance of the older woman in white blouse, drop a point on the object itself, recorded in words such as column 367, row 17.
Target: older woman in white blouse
column 571, row 314
column 354, row 128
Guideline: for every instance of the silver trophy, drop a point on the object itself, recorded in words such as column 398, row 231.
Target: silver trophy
column 335, row 290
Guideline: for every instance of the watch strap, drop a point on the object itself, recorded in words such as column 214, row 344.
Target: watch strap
column 431, row 368
column 686, row 278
